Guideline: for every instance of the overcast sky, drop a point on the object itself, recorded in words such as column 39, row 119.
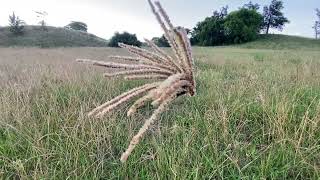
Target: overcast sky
column 104, row 17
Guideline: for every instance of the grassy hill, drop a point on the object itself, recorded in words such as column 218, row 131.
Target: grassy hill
column 61, row 37
column 277, row 41
column 53, row 37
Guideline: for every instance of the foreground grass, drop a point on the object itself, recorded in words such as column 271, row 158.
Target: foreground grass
column 256, row 116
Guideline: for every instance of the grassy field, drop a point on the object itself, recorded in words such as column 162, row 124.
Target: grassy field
column 256, row 116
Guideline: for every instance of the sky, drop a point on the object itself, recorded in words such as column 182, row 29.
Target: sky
column 104, row 17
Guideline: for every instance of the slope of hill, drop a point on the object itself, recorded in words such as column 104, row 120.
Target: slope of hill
column 61, row 37
column 53, row 37
column 277, row 41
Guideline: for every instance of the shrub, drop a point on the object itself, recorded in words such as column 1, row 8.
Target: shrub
column 237, row 27
column 76, row 25
column 259, row 57
column 126, row 38
column 242, row 25
column 161, row 41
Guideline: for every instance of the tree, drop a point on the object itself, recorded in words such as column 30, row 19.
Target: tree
column 161, row 41
column 317, row 24
column 251, row 6
column 316, row 28
column 41, row 15
column 127, row 38
column 78, row 26
column 16, row 25
column 273, row 17
column 242, row 25
column 210, row 32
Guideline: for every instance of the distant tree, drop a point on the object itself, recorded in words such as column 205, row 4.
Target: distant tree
column 242, row 25
column 316, row 26
column 41, row 15
column 161, row 41
column 16, row 25
column 273, row 17
column 127, row 38
column 318, row 14
column 251, row 6
column 77, row 25
column 210, row 32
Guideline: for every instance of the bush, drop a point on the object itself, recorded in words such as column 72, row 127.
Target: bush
column 242, row 25
column 78, row 26
column 161, row 42
column 126, row 38
column 222, row 28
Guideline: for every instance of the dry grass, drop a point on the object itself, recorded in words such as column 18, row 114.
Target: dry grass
column 256, row 115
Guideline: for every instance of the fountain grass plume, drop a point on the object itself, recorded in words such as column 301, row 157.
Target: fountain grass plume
column 173, row 75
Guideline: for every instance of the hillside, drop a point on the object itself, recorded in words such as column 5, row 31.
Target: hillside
column 61, row 37
column 53, row 37
column 277, row 41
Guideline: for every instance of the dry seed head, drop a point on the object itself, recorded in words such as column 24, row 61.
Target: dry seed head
column 139, row 103
column 152, row 76
column 135, row 91
column 173, row 88
column 175, row 74
column 125, row 58
column 136, row 139
column 139, row 72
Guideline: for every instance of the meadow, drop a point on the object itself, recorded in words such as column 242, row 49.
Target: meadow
column 256, row 116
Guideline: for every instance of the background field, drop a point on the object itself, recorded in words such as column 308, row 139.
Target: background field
column 256, row 116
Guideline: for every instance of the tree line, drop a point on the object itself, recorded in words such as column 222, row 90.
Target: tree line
column 242, row 25
column 221, row 28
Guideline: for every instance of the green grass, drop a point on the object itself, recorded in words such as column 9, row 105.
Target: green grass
column 256, row 116
column 53, row 37
column 277, row 41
